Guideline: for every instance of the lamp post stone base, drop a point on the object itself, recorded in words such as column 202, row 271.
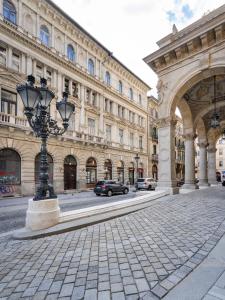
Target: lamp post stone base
column 42, row 214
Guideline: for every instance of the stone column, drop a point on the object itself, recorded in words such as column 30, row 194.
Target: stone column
column 9, row 58
column 189, row 162
column 212, row 165
column 203, row 176
column 167, row 174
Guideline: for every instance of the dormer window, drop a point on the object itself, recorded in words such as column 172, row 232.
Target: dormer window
column 44, row 35
column 70, row 53
column 9, row 11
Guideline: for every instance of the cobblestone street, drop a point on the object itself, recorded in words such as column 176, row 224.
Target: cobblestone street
column 138, row 256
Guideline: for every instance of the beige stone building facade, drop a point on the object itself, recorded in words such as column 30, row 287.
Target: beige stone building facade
column 109, row 126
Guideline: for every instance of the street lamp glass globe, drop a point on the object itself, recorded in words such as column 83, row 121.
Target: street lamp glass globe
column 29, row 94
column 46, row 94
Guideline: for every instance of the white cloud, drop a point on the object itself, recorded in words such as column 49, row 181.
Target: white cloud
column 131, row 28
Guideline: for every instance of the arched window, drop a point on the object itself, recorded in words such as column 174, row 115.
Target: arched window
column 91, row 67
column 37, row 168
column 131, row 95
column 120, row 87
column 44, row 35
column 10, row 167
column 9, row 11
column 70, row 53
column 107, row 78
column 108, row 169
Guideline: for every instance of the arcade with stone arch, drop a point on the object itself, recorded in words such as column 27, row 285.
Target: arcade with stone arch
column 190, row 65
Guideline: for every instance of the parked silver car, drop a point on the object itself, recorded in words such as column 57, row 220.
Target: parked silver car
column 146, row 183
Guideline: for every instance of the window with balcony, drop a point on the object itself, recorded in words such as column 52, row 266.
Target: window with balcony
column 70, row 53
column 2, row 55
column 8, row 102
column 9, row 11
column 108, row 132
column 120, row 87
column 44, row 35
column 91, row 67
column 107, row 78
column 121, row 136
column 91, row 126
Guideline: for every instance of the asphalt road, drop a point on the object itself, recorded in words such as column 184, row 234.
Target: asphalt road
column 13, row 210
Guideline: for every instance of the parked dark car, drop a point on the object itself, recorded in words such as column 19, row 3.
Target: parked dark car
column 110, row 187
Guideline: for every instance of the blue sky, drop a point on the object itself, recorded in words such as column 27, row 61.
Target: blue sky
column 131, row 28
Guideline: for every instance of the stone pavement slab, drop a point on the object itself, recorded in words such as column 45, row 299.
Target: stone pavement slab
column 142, row 255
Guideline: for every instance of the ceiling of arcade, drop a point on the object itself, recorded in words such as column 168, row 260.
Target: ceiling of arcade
column 204, row 96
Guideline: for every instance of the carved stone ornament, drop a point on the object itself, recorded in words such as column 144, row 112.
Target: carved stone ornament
column 202, row 144
column 189, row 136
column 211, row 149
column 165, row 122
column 161, row 87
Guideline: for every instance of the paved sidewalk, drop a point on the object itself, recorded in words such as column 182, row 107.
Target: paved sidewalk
column 142, row 255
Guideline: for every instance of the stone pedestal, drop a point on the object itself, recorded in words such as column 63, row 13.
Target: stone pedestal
column 42, row 214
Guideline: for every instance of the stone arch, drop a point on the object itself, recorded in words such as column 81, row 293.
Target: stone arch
column 186, row 116
column 175, row 94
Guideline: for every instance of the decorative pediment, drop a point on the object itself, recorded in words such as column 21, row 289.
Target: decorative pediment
column 11, row 77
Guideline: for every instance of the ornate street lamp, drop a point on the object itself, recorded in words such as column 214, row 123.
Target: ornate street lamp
column 137, row 157
column 36, row 101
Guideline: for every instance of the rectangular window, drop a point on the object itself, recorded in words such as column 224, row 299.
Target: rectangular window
column 16, row 62
column 66, row 85
column 39, row 72
column 94, row 99
column 2, row 55
column 131, row 139
column 49, row 77
column 108, row 132
column 106, row 105
column 91, row 126
column 110, row 107
column 121, row 136
column 140, row 142
column 74, row 89
column 154, row 149
column 8, row 102
column 220, row 163
column 133, row 117
column 220, row 151
column 88, row 95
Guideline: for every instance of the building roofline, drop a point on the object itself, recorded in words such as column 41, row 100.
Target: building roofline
column 62, row 12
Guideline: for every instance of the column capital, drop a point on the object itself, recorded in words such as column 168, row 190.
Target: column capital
column 211, row 149
column 189, row 136
column 202, row 144
column 165, row 122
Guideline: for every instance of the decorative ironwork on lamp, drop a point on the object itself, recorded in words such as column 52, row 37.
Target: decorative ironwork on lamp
column 36, row 102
